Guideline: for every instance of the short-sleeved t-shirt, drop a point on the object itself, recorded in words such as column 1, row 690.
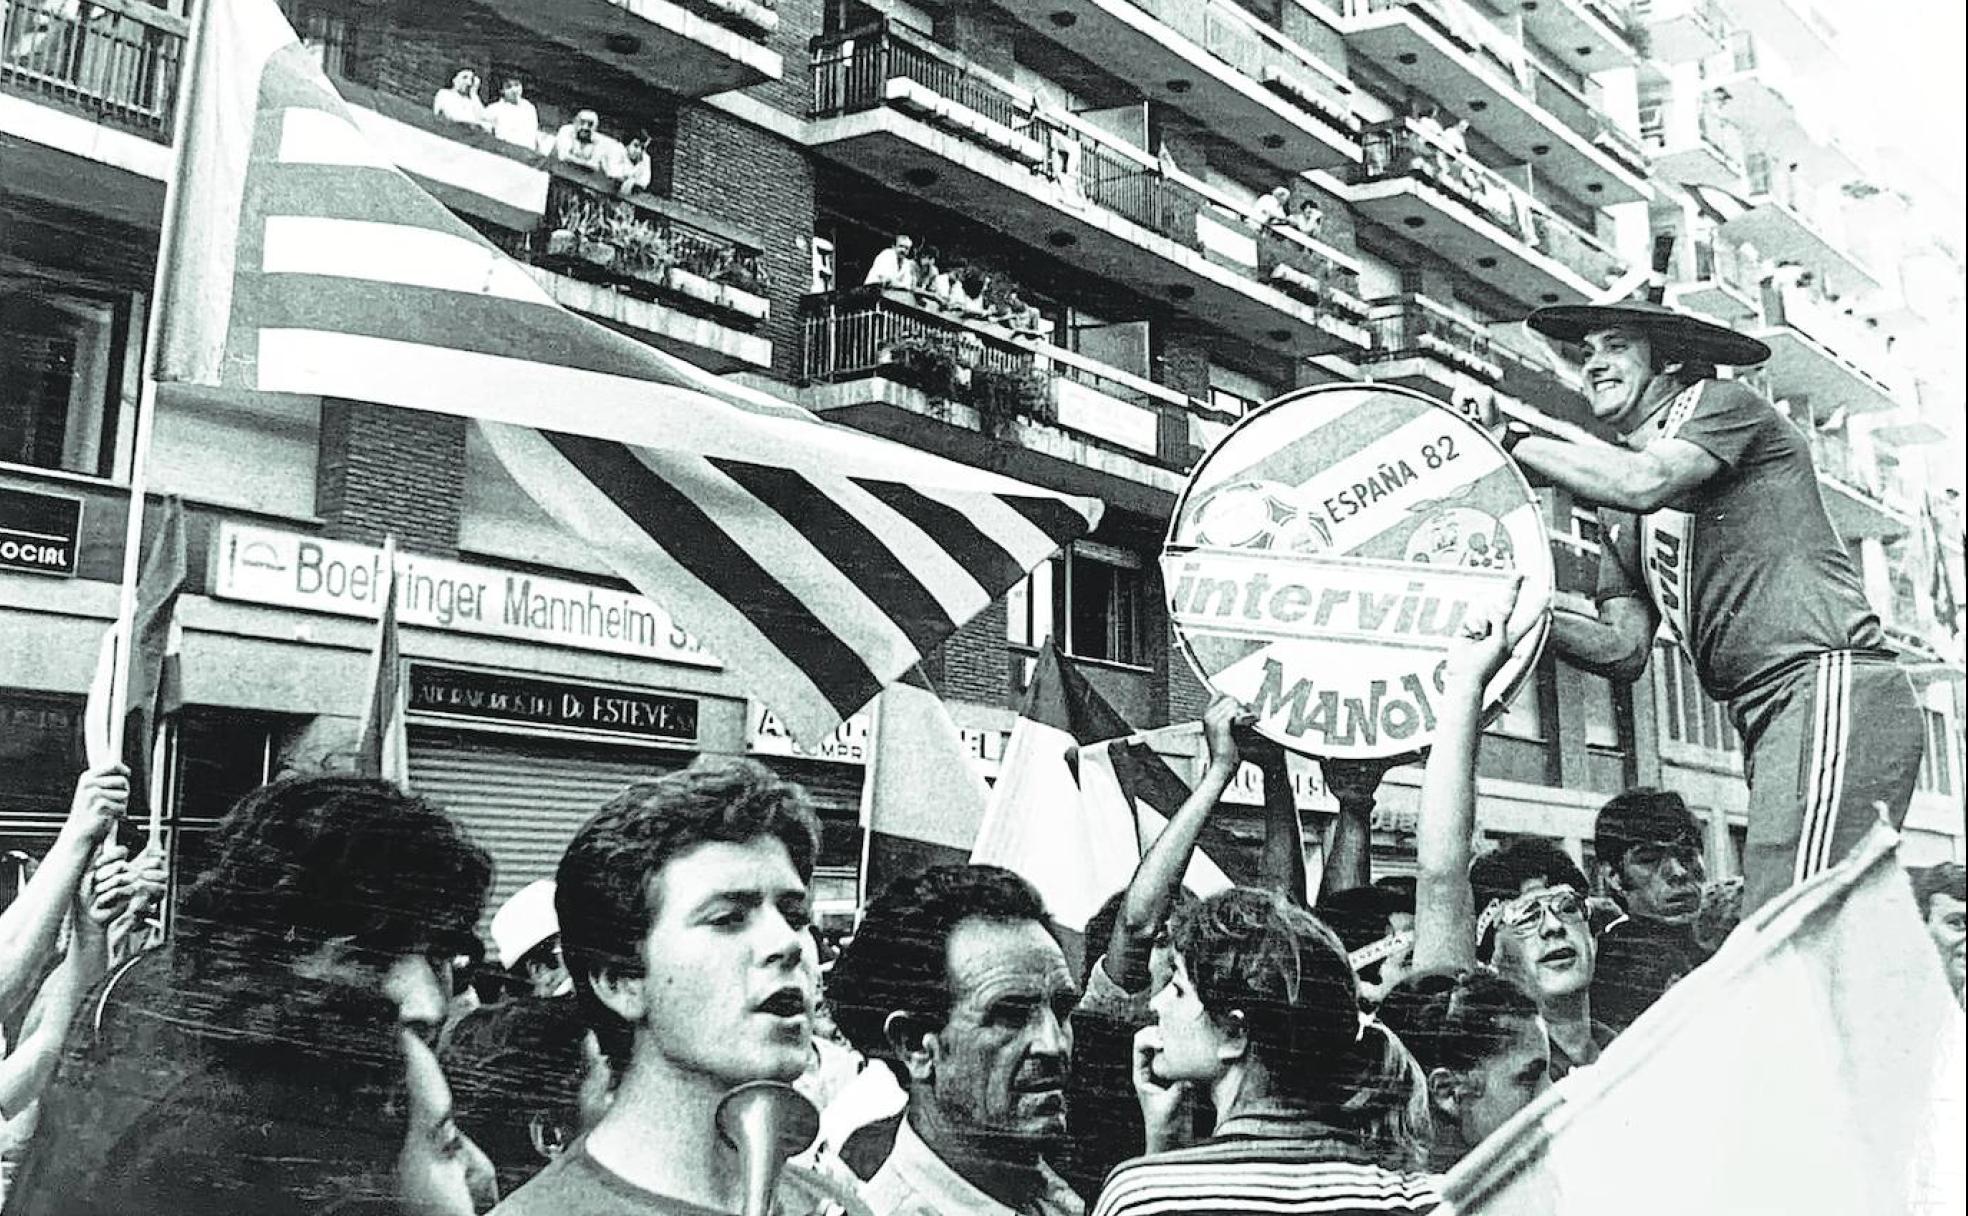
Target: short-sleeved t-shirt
column 575, row 1184
column 1766, row 579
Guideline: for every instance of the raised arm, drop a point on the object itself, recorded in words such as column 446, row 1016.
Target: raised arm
column 1349, row 858
column 1601, row 472
column 1445, row 912
column 1281, row 865
column 29, row 924
column 104, row 894
column 1151, row 892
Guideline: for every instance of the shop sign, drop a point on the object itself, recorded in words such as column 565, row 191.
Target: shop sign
column 504, row 699
column 766, row 735
column 1327, row 554
column 39, row 532
column 264, row 566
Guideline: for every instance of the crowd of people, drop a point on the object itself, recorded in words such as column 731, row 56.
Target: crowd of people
column 964, row 292
column 300, row 1043
column 513, row 120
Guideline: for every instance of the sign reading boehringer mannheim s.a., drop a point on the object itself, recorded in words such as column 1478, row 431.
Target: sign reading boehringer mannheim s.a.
column 286, row 569
column 1330, row 551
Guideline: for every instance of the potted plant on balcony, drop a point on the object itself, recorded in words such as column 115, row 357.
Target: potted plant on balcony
column 1000, row 396
column 922, row 362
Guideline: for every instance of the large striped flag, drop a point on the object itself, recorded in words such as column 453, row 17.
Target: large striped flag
column 382, row 747
column 1814, row 1064
column 1079, row 798
column 821, row 562
column 156, row 688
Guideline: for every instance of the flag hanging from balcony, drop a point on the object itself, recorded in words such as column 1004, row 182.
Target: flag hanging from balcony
column 821, row 562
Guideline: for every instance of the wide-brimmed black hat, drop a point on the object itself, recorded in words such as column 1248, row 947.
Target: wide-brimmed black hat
column 1691, row 337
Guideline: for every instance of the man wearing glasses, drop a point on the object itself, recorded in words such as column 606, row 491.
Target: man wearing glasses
column 1531, row 926
column 1649, row 849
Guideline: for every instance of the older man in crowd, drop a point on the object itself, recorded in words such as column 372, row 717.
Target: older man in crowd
column 956, row 978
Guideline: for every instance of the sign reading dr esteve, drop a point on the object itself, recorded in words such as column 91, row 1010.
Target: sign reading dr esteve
column 263, row 566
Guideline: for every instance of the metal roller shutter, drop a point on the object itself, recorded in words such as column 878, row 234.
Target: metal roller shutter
column 524, row 798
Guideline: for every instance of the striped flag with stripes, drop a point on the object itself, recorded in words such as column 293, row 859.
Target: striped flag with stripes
column 821, row 562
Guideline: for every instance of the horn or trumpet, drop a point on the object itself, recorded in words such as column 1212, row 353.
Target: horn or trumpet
column 767, row 1122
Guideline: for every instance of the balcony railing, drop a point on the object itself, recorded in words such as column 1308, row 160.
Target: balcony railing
column 1259, row 52
column 1573, row 109
column 862, row 332
column 1397, row 150
column 643, row 246
column 117, row 62
column 1416, row 326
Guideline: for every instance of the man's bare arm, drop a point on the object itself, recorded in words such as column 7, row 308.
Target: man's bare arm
column 1614, row 476
column 1615, row 644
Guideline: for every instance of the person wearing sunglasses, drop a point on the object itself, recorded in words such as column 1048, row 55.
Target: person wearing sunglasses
column 1649, row 851
column 1521, row 908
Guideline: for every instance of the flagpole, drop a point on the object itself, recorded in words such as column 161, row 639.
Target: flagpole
column 126, row 609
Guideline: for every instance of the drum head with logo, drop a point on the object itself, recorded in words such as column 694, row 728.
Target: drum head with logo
column 1329, row 552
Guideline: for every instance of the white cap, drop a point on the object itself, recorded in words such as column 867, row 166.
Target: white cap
column 524, row 921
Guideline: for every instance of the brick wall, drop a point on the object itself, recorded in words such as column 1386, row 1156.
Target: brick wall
column 1184, row 364
column 384, row 470
column 752, row 177
column 975, row 665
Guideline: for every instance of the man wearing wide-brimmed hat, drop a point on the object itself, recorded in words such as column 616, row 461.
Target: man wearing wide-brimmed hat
column 1712, row 521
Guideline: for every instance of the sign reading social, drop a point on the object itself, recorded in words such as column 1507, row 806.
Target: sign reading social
column 286, row 569
column 38, row 532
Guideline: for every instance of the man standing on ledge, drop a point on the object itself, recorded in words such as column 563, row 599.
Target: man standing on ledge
column 1711, row 520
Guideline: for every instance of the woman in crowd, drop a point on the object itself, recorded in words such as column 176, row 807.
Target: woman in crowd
column 1262, row 1012
column 1478, row 1039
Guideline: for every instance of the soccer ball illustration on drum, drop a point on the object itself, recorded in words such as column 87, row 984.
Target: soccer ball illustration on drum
column 1259, row 515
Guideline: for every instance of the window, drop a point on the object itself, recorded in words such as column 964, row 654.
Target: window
column 1602, row 713
column 1688, row 716
column 1937, row 767
column 1093, row 601
column 61, row 374
column 1029, row 607
column 1104, row 603
column 326, row 37
column 1236, row 393
column 1524, row 718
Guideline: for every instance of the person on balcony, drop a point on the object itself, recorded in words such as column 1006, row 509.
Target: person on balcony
column 894, row 268
column 512, row 118
column 581, row 143
column 1269, row 211
column 628, row 166
column 1308, row 219
column 459, row 102
column 960, row 292
column 923, row 286
column 1714, row 524
column 1022, row 319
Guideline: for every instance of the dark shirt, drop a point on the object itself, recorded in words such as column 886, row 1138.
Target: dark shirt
column 1637, row 960
column 1562, row 1062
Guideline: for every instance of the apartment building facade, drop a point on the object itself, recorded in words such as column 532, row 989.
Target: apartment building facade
column 1100, row 160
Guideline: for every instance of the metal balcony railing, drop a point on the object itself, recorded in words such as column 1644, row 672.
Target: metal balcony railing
column 1259, row 52
column 1397, row 149
column 1416, row 326
column 117, row 62
column 854, row 333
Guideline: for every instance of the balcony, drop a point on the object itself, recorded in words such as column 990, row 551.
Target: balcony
column 974, row 389
column 1762, row 97
column 1473, row 216
column 1705, row 152
column 1423, row 345
column 692, row 49
column 1446, row 50
column 1781, row 231
column 115, row 63
column 1682, row 31
column 1795, row 29
column 1814, row 342
column 1211, row 59
column 1717, row 287
column 892, row 105
column 1858, row 495
column 1590, row 35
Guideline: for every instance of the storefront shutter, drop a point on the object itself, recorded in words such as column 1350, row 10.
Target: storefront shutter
column 524, row 798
